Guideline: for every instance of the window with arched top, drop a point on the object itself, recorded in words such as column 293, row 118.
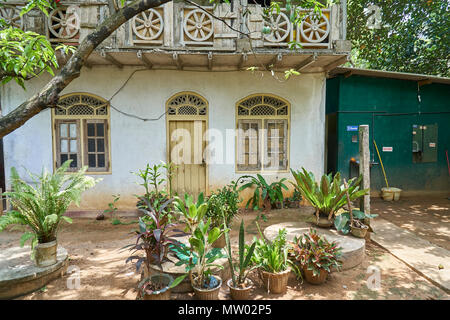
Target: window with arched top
column 263, row 133
column 187, row 104
column 81, row 132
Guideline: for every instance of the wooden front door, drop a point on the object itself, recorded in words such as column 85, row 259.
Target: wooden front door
column 187, row 152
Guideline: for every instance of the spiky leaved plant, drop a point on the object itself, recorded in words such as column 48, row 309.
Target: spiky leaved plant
column 244, row 266
column 328, row 196
column 42, row 204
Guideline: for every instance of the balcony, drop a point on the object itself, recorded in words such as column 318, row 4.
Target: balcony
column 191, row 37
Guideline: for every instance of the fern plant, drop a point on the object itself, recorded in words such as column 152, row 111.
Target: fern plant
column 42, row 204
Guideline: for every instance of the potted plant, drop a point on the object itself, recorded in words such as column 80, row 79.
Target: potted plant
column 271, row 259
column 240, row 285
column 328, row 196
column 353, row 221
column 199, row 258
column 316, row 256
column 223, row 203
column 294, row 200
column 156, row 287
column 268, row 195
column 155, row 238
column 42, row 205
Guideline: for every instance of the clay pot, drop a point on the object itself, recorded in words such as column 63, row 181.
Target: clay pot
column 220, row 242
column 163, row 294
column 45, row 254
column 208, row 294
column 323, row 222
column 318, row 279
column 275, row 282
column 266, row 204
column 359, row 232
column 294, row 204
column 240, row 293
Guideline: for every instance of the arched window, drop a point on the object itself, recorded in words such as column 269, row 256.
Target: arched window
column 263, row 133
column 81, row 132
column 187, row 104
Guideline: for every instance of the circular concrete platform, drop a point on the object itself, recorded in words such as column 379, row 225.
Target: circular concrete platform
column 175, row 271
column 352, row 248
column 19, row 275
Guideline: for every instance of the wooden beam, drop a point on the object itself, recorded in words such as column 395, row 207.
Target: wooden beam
column 243, row 60
column 348, row 74
column 210, row 60
column 275, row 62
column 306, row 63
column 144, row 59
column 335, row 63
column 178, row 61
column 424, row 82
column 107, row 56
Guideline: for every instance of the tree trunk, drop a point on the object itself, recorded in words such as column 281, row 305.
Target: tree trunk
column 49, row 95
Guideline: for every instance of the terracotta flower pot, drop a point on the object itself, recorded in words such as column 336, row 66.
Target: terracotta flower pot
column 220, row 242
column 324, row 222
column 163, row 294
column 45, row 254
column 315, row 279
column 275, row 282
column 359, row 232
column 240, row 293
column 208, row 294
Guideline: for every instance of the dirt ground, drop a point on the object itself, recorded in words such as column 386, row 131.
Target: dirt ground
column 428, row 218
column 94, row 247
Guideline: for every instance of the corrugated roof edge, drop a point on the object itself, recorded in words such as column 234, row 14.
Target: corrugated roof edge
column 387, row 74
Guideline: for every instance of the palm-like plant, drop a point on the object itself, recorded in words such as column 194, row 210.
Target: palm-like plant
column 42, row 204
column 263, row 192
column 330, row 195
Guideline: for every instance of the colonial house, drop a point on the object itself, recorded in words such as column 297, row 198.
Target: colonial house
column 179, row 75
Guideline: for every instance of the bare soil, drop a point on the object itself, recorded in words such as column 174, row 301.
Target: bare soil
column 94, row 247
column 429, row 218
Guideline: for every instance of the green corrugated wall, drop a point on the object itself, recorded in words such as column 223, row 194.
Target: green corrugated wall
column 390, row 107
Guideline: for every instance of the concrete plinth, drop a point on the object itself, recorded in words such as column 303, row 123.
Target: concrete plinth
column 352, row 248
column 19, row 275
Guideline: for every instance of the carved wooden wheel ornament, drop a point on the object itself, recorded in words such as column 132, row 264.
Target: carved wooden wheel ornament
column 148, row 25
column 315, row 28
column 64, row 23
column 12, row 17
column 198, row 25
column 280, row 27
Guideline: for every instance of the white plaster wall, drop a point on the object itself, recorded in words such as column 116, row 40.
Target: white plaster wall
column 135, row 143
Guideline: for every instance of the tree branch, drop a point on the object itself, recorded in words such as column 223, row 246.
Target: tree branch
column 48, row 96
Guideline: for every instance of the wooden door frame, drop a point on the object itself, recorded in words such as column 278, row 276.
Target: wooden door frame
column 177, row 117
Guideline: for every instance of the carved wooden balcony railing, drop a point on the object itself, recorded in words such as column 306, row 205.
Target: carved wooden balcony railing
column 177, row 28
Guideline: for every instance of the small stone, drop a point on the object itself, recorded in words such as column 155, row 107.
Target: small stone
column 100, row 216
column 344, row 286
column 440, row 267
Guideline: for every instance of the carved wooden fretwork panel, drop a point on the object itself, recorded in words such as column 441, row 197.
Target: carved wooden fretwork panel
column 81, row 105
column 198, row 26
column 11, row 15
column 148, row 26
column 314, row 30
column 187, row 104
column 262, row 105
column 63, row 24
column 280, row 28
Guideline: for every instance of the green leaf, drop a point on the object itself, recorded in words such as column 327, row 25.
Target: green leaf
column 213, row 235
column 25, row 237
